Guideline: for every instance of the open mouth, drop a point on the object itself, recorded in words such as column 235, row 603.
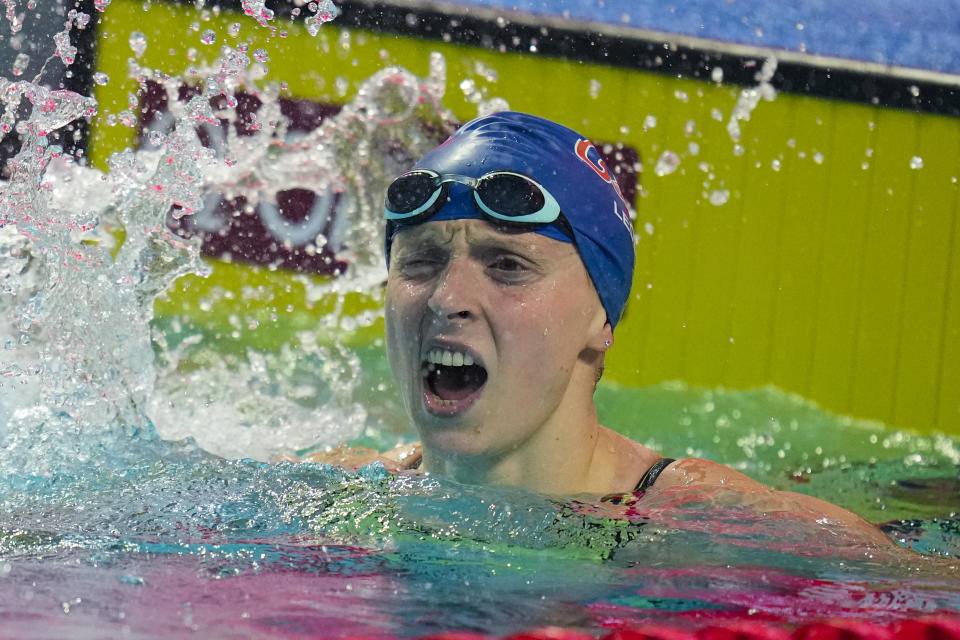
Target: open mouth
column 452, row 380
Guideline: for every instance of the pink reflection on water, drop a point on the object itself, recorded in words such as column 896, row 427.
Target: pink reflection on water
column 175, row 596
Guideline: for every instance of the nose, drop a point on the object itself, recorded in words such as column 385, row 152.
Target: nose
column 455, row 295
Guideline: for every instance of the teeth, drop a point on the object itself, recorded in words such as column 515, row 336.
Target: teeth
column 449, row 358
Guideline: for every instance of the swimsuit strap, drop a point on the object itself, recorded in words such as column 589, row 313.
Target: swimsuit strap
column 653, row 473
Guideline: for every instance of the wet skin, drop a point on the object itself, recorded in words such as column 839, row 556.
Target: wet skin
column 522, row 306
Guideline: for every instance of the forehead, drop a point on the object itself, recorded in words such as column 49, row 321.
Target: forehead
column 441, row 233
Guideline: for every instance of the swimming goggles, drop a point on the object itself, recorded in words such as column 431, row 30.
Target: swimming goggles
column 505, row 196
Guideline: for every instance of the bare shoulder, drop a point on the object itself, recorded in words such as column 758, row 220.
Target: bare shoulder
column 697, row 473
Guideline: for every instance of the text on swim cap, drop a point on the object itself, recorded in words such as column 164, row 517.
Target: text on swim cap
column 582, row 149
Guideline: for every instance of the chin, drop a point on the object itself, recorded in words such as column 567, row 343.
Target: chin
column 451, row 439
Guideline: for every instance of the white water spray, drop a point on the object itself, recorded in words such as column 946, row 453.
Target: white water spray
column 79, row 378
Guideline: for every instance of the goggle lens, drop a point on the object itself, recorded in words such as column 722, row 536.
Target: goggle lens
column 510, row 195
column 409, row 192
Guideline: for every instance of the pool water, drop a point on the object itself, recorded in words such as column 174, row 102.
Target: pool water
column 183, row 541
column 138, row 497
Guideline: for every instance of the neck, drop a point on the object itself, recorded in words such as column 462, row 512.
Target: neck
column 570, row 454
column 560, row 466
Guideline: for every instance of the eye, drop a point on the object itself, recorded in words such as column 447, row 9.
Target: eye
column 509, row 269
column 420, row 265
column 507, row 263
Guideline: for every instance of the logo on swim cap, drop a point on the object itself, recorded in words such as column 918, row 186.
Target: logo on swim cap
column 582, row 149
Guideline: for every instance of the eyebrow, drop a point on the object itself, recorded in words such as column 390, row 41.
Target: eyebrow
column 484, row 238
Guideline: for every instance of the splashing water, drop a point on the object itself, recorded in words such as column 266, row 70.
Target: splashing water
column 78, row 354
column 750, row 97
column 78, row 351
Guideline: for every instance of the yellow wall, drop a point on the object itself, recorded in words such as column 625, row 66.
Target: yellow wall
column 834, row 276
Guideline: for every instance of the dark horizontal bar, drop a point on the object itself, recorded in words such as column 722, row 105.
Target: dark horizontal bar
column 657, row 56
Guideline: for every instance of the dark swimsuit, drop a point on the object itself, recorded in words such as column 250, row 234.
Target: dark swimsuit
column 652, row 474
column 646, row 481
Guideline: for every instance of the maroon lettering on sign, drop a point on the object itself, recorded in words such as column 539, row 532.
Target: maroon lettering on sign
column 282, row 230
column 281, row 235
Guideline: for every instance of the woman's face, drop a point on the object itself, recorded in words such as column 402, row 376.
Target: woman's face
column 484, row 329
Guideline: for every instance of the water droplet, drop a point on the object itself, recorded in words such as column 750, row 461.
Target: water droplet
column 682, row 96
column 916, row 162
column 100, row 78
column 493, row 105
column 65, row 51
column 326, row 11
column 818, row 157
column 261, row 55
column 738, row 149
column 101, row 5
column 208, row 37
column 81, row 19
column 234, row 29
column 138, row 43
column 648, row 227
column 595, row 87
column 20, row 64
column 717, row 74
column 775, row 164
column 650, row 122
column 127, row 118
column 667, row 163
column 693, row 148
column 716, row 114
column 719, row 197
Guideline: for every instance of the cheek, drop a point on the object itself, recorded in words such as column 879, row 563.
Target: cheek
column 398, row 321
column 539, row 340
column 550, row 330
column 400, row 301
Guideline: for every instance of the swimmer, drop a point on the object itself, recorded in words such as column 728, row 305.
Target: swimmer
column 510, row 259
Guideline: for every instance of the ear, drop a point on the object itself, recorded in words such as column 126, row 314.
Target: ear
column 601, row 339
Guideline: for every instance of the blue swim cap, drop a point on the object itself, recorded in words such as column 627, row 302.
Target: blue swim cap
column 569, row 167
